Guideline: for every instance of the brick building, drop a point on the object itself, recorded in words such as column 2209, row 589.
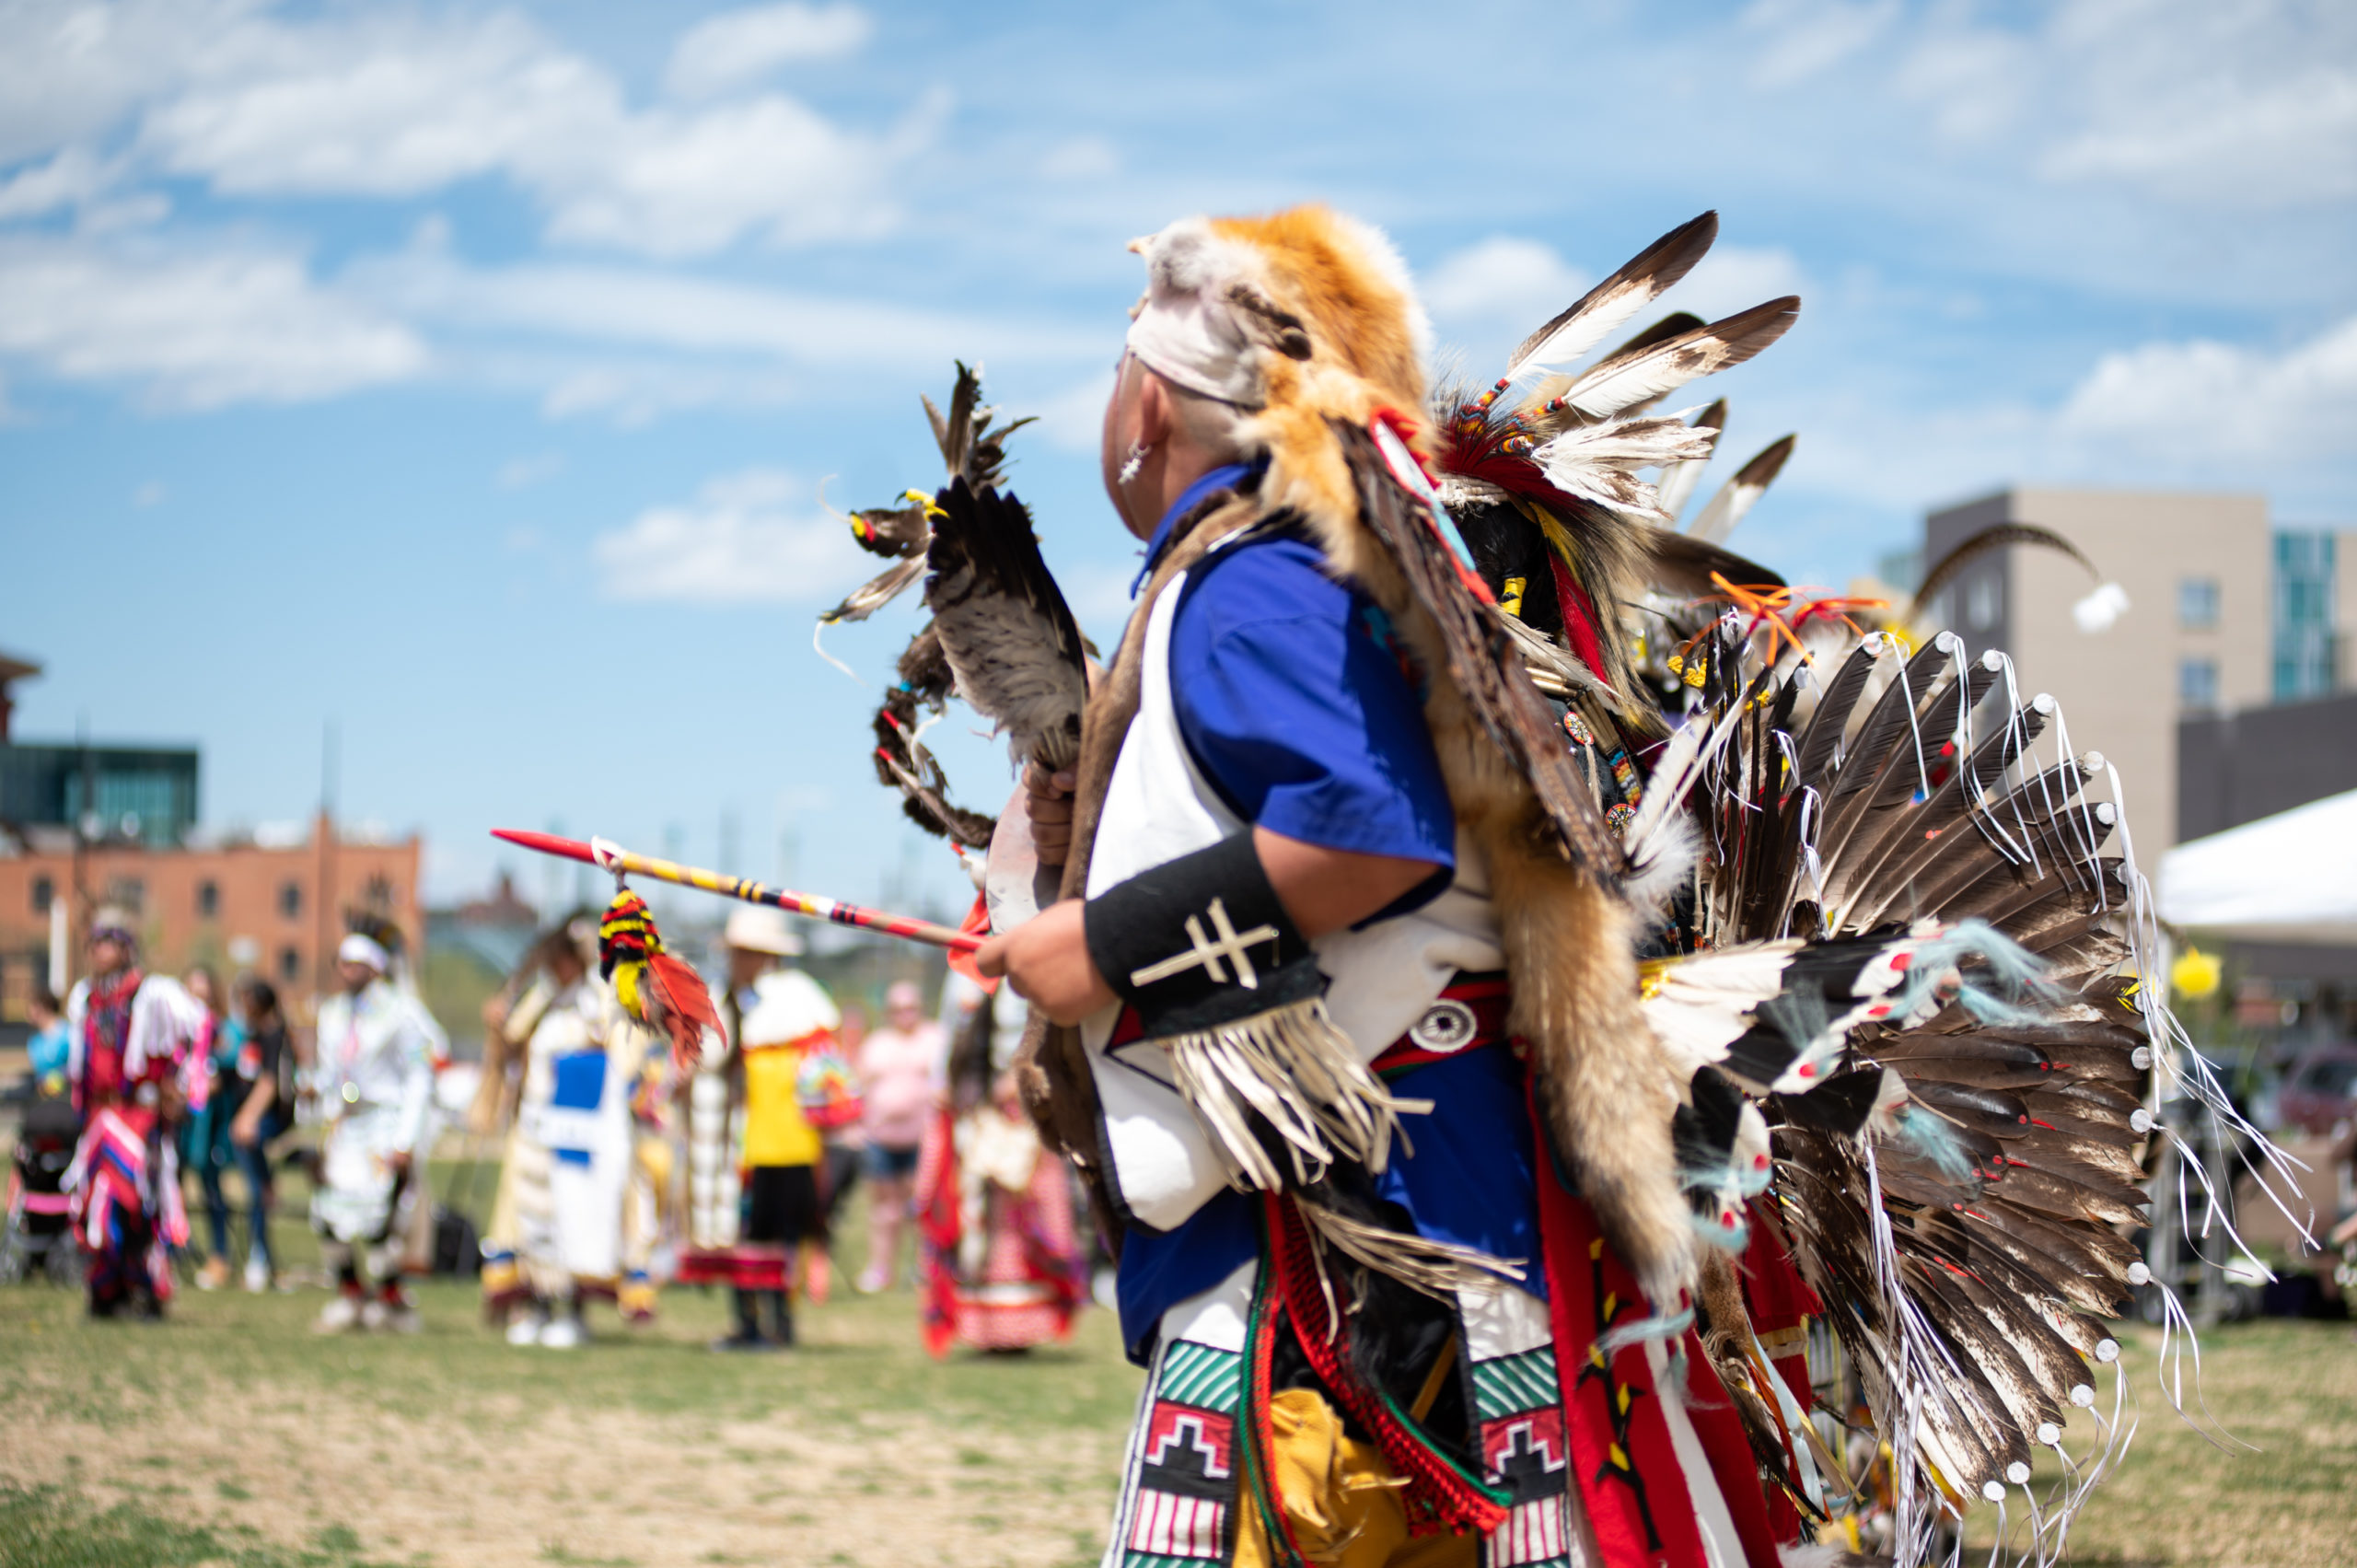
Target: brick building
column 275, row 908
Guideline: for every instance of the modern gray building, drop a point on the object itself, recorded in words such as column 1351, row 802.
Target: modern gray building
column 2223, row 613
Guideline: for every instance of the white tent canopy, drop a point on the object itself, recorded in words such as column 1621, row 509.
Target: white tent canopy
column 2289, row 877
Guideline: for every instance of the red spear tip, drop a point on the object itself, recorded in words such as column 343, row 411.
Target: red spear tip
column 546, row 843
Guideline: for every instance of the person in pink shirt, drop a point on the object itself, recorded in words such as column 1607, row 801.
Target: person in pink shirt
column 900, row 1077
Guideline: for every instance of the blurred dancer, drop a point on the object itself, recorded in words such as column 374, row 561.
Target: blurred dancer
column 557, row 1224
column 901, row 1068
column 1002, row 1263
column 752, row 1154
column 372, row 1073
column 131, row 1034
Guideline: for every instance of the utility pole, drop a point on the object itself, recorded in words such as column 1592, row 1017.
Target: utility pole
column 323, row 920
column 79, row 895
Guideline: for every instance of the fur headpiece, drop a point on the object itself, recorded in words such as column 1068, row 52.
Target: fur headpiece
column 1301, row 317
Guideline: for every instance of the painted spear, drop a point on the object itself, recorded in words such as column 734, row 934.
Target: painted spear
column 613, row 857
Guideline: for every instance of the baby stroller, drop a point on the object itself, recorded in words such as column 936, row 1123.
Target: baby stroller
column 37, row 1238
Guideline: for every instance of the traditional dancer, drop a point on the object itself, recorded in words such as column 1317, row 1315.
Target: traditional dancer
column 1447, row 958
column 1002, row 1269
column 372, row 1077
column 133, row 1036
column 651, row 1219
column 557, row 1234
column 752, row 1154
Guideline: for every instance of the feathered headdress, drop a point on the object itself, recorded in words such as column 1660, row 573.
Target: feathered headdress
column 1543, row 470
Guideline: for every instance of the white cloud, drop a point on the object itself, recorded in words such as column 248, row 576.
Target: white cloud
column 755, row 537
column 196, row 323
column 1736, row 277
column 72, row 70
column 1503, row 280
column 379, row 105
column 1081, row 157
column 2240, row 105
column 2218, row 403
column 74, row 177
column 634, row 392
column 727, row 50
column 522, row 473
column 2236, row 143
column 1803, row 39
column 686, row 185
column 1073, row 419
column 194, row 329
column 148, row 495
column 1098, row 594
column 259, row 102
column 670, row 311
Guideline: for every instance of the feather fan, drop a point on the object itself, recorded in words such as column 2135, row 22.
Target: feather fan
column 1004, row 628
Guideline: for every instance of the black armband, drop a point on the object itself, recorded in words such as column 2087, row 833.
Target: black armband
column 1200, row 941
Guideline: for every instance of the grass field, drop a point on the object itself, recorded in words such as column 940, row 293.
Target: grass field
column 232, row 1436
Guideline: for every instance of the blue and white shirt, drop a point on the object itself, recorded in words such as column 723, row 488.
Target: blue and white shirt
column 1303, row 713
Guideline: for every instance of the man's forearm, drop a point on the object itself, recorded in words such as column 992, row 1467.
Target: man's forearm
column 1329, row 889
column 1321, row 889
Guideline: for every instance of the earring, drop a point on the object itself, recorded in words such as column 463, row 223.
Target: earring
column 1130, row 464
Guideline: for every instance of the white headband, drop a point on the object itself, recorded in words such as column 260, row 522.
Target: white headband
column 358, row 949
column 1185, row 330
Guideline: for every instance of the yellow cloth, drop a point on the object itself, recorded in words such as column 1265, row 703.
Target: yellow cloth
column 776, row 1132
column 1341, row 1496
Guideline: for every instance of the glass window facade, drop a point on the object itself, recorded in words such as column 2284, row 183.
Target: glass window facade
column 2306, row 653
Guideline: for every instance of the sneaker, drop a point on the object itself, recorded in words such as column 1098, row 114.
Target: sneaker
column 339, row 1316
column 373, row 1314
column 400, row 1318
column 563, row 1333
column 213, row 1275
column 257, row 1277
column 873, row 1282
column 740, row 1341
column 524, row 1327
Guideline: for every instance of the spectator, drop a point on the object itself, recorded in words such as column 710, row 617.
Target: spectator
column 846, row 1142
column 260, row 1110
column 745, row 1114
column 52, row 1045
column 204, row 1135
column 900, row 1073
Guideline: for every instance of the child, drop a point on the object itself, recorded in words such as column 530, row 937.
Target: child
column 51, row 1045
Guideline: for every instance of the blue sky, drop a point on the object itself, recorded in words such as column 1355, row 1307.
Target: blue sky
column 467, row 374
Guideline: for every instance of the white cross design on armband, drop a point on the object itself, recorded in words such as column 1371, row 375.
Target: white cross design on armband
column 1208, row 953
